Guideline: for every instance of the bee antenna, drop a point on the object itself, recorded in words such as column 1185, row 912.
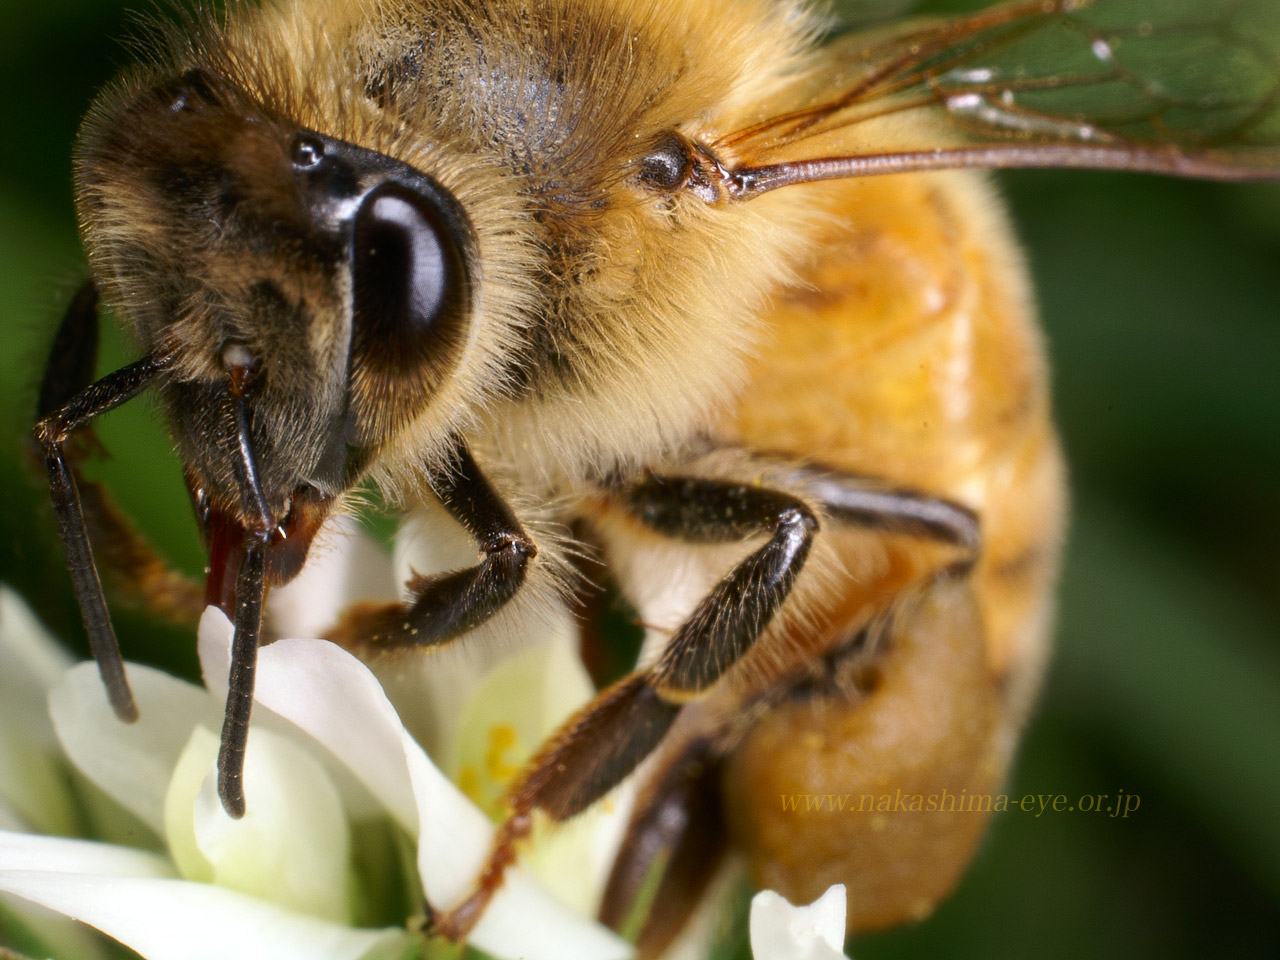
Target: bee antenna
column 1240, row 165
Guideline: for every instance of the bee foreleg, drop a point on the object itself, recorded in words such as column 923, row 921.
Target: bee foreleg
column 51, row 432
column 448, row 605
column 136, row 571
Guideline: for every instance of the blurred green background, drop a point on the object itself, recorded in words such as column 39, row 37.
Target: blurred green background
column 1162, row 306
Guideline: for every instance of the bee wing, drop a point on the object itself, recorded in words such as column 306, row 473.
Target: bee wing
column 1182, row 87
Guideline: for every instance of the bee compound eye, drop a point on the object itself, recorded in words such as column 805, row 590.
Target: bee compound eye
column 307, row 151
column 408, row 277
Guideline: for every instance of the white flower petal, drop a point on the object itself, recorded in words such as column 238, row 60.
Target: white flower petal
column 780, row 931
column 165, row 919
column 31, row 661
column 22, row 854
column 329, row 695
column 179, row 807
column 32, row 775
column 33, row 782
column 518, row 704
column 131, row 762
column 292, row 847
column 26, row 852
column 334, row 698
column 524, row 922
column 430, row 690
column 344, row 565
column 133, row 897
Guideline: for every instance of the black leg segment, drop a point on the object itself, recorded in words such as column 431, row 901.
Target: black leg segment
column 448, row 605
column 859, row 502
column 732, row 617
column 677, row 828
column 51, row 433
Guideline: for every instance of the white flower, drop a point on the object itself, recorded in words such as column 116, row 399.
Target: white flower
column 328, row 752
column 780, row 931
column 34, row 792
column 330, row 763
column 32, row 776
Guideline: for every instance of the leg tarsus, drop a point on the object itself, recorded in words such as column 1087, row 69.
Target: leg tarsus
column 448, row 605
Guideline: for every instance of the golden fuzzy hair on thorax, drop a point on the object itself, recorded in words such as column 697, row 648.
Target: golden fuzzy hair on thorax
column 606, row 321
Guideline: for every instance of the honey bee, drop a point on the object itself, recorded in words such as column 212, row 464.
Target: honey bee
column 727, row 297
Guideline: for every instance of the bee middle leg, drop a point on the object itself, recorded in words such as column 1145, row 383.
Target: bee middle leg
column 447, row 606
column 674, row 824
column 610, row 736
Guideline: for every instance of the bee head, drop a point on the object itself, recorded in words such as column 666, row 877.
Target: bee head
column 312, row 296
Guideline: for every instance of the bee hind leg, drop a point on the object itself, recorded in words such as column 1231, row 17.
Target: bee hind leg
column 677, row 827
column 605, row 741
